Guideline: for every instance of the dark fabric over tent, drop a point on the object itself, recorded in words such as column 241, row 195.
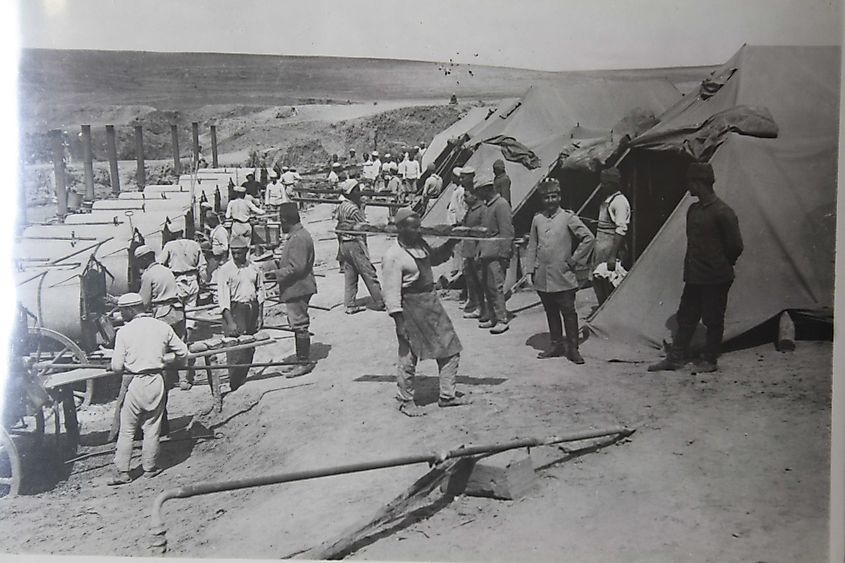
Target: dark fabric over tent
column 515, row 151
column 700, row 141
column 784, row 193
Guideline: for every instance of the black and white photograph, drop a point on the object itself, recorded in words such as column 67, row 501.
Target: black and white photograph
column 469, row 280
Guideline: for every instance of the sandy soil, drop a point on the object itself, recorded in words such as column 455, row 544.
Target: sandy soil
column 724, row 467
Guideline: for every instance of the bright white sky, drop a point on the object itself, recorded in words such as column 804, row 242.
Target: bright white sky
column 539, row 34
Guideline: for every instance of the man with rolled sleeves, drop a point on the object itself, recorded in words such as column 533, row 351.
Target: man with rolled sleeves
column 295, row 276
column 219, row 241
column 423, row 328
column 551, row 263
column 614, row 217
column 141, row 349
column 240, row 296
column 186, row 260
column 494, row 255
column 714, row 244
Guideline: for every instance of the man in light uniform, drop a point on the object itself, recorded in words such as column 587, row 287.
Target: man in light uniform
column 333, row 178
column 456, row 209
column 558, row 242
column 161, row 297
column 295, row 277
column 375, row 167
column 423, row 329
column 219, row 238
column 353, row 252
column 240, row 296
column 614, row 217
column 412, row 175
column 140, row 351
column 274, row 193
column 240, row 210
column 184, row 257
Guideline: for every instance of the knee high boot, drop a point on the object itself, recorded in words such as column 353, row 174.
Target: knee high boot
column 303, row 355
column 570, row 323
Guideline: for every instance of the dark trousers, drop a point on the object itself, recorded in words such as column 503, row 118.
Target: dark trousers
column 706, row 303
column 475, row 292
column 493, row 281
column 356, row 263
column 560, row 304
column 246, row 319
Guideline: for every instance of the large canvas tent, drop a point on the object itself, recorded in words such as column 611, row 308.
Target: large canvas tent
column 783, row 190
column 546, row 119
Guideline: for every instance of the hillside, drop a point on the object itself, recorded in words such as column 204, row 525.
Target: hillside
column 54, row 84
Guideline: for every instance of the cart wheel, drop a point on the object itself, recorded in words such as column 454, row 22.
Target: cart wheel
column 56, row 348
column 10, row 466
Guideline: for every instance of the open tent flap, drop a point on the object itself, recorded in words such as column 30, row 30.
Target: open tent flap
column 441, row 141
column 784, row 193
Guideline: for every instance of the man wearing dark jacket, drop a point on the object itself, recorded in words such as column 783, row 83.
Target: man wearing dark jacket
column 501, row 181
column 714, row 244
column 494, row 255
column 295, row 277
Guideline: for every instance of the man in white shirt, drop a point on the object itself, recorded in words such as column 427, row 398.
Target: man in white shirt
column 274, row 194
column 141, row 350
column 412, row 174
column 240, row 210
column 456, row 209
column 375, row 167
column 333, row 177
column 614, row 217
column 219, row 239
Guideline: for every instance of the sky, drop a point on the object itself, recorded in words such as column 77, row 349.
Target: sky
column 537, row 34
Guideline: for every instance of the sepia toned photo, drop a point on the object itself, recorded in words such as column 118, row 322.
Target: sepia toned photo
column 422, row 281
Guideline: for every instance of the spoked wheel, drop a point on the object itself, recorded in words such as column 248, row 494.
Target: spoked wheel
column 49, row 348
column 10, row 466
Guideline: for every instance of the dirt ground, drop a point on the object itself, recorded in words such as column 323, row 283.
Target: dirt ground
column 731, row 466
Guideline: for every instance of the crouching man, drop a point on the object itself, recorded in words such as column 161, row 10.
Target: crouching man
column 140, row 353
column 423, row 329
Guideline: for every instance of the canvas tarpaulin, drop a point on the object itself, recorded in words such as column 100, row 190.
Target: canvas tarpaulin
column 514, row 151
column 784, row 192
column 700, row 141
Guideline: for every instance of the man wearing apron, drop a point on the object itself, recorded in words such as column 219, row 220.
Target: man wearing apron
column 614, row 217
column 423, row 329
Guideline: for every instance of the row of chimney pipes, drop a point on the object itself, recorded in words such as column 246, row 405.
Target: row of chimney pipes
column 58, row 150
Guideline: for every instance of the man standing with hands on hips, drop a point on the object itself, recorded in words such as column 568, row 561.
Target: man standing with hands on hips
column 551, row 263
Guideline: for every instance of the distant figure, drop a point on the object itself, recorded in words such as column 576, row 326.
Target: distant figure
column 333, row 177
column 201, row 163
column 412, row 173
column 421, row 152
column 219, row 239
column 290, row 178
column 353, row 252
column 714, row 244
column 274, row 193
column 253, row 188
column 614, row 217
column 453, row 99
column 456, row 209
column 501, row 181
column 240, row 210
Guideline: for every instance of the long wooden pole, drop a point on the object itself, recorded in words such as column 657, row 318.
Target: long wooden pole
column 88, row 162
column 174, row 142
column 214, row 146
column 195, row 137
column 111, row 146
column 140, row 176
column 58, row 149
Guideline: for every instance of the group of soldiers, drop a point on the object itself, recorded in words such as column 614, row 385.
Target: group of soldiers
column 150, row 349
column 562, row 254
